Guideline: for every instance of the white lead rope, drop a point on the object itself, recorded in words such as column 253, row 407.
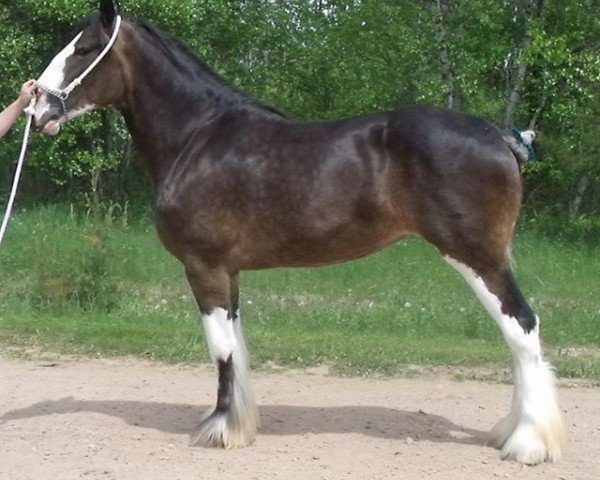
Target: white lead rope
column 21, row 161
column 30, row 111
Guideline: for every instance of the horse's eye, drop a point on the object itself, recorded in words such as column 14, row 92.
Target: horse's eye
column 82, row 51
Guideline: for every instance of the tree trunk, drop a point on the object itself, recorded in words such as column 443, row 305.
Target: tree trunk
column 452, row 93
column 581, row 188
column 537, row 113
column 530, row 10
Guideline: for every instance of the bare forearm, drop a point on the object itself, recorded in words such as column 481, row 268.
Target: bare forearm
column 9, row 116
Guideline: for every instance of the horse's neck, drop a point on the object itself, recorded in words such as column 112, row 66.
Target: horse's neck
column 167, row 107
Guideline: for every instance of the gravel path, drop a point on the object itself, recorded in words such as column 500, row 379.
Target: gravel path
column 125, row 419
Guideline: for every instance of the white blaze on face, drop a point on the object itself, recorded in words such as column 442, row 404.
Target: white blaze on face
column 53, row 77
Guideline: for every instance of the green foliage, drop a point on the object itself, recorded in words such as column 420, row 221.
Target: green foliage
column 583, row 229
column 102, row 281
column 77, row 284
column 332, row 59
column 72, row 275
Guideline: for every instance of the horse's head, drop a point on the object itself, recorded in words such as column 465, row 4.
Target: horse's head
column 61, row 98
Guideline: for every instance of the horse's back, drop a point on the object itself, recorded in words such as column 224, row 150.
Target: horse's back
column 447, row 139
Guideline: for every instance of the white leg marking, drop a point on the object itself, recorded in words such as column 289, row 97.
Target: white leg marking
column 533, row 430
column 219, row 334
column 243, row 388
column 239, row 336
column 236, row 427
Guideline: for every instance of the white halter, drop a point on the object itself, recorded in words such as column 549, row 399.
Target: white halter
column 63, row 94
column 30, row 112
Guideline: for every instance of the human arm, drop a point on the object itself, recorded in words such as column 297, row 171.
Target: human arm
column 9, row 116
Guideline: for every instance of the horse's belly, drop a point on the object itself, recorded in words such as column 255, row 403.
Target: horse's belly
column 310, row 248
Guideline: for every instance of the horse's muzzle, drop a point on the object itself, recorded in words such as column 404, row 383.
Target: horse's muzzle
column 48, row 115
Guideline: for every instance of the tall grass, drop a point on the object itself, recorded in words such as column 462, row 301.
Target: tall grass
column 73, row 284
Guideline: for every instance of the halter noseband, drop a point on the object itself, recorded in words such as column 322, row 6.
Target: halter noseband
column 63, row 94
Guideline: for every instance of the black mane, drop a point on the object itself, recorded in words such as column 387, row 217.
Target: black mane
column 182, row 58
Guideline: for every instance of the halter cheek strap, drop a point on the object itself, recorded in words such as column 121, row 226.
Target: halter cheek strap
column 63, row 94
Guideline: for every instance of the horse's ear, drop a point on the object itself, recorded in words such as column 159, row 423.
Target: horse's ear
column 109, row 9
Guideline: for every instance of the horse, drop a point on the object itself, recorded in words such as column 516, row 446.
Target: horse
column 241, row 186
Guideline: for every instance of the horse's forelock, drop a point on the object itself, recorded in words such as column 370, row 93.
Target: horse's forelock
column 91, row 20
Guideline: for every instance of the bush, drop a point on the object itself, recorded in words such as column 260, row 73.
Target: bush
column 67, row 263
column 580, row 229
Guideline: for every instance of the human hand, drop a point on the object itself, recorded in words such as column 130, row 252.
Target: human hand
column 27, row 90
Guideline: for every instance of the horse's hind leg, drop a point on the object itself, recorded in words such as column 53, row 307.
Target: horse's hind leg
column 233, row 422
column 533, row 431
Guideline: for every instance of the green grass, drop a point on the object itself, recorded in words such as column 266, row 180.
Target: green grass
column 70, row 284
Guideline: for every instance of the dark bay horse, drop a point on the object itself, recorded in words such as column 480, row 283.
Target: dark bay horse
column 240, row 186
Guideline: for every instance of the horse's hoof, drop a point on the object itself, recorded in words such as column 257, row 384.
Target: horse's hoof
column 220, row 430
column 533, row 444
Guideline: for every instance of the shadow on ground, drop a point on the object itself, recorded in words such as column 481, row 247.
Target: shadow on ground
column 373, row 421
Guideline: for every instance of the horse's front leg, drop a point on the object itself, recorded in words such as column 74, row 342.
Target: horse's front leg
column 233, row 421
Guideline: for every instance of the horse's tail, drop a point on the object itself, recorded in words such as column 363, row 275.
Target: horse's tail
column 520, row 144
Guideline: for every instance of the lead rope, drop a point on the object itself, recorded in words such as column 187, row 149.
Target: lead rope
column 30, row 111
column 13, row 193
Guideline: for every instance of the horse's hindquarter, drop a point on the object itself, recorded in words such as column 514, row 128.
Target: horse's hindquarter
column 465, row 183
column 274, row 193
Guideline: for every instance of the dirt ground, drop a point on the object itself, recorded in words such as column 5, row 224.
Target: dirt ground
column 125, row 419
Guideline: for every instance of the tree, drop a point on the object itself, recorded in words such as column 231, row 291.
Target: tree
column 517, row 63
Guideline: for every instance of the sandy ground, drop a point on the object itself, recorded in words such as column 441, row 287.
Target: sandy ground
column 123, row 419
